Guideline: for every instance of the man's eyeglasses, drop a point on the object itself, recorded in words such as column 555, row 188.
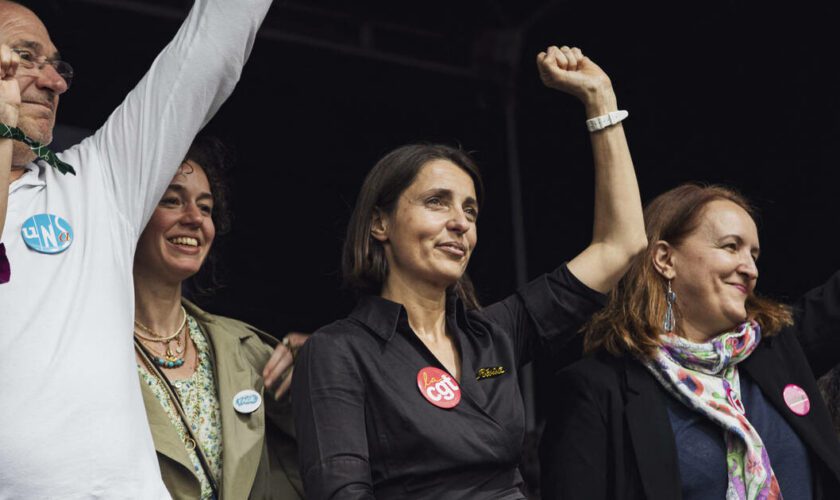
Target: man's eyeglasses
column 30, row 61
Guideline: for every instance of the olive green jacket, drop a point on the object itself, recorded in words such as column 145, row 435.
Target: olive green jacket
column 259, row 459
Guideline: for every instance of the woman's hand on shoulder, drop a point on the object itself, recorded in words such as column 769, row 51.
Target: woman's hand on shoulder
column 277, row 373
column 567, row 69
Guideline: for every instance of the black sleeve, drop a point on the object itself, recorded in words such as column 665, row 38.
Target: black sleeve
column 328, row 398
column 574, row 448
column 546, row 313
column 817, row 325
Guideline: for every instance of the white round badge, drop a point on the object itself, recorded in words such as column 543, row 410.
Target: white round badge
column 247, row 401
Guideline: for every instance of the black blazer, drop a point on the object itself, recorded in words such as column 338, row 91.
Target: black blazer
column 610, row 436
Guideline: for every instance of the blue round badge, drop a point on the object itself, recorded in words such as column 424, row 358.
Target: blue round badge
column 47, row 233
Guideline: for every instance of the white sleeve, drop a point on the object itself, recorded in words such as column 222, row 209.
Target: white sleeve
column 143, row 142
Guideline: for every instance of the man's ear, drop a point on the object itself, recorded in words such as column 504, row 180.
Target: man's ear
column 379, row 225
column 664, row 259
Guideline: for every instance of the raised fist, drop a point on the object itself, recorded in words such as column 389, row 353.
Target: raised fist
column 568, row 70
column 9, row 88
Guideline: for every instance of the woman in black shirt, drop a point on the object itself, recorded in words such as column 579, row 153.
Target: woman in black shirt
column 415, row 394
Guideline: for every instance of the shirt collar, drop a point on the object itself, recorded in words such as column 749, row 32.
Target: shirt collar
column 33, row 176
column 384, row 317
column 380, row 315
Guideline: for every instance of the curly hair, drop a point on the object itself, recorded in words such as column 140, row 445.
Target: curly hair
column 216, row 159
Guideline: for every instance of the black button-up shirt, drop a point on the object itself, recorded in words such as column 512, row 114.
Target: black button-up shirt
column 363, row 427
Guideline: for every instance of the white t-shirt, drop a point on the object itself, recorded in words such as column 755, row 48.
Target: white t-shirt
column 72, row 420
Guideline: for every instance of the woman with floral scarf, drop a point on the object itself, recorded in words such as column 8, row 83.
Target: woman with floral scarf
column 696, row 387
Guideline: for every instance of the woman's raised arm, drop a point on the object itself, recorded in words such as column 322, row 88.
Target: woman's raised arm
column 618, row 234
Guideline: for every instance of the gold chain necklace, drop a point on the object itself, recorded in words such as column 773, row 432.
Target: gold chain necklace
column 168, row 350
column 172, row 358
column 158, row 338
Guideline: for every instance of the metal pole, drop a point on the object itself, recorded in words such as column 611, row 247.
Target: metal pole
column 520, row 259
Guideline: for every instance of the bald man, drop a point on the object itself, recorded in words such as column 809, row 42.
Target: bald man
column 72, row 421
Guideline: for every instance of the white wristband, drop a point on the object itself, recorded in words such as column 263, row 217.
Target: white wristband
column 607, row 120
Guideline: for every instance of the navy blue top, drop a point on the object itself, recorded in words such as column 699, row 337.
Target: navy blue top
column 701, row 450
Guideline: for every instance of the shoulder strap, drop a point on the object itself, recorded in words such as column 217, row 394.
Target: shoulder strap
column 173, row 398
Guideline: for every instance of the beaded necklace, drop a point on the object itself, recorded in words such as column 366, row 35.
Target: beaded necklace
column 190, row 435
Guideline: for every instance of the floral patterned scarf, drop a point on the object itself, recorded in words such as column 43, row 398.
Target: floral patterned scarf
column 704, row 377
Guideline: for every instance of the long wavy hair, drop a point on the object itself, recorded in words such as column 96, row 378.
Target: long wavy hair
column 631, row 323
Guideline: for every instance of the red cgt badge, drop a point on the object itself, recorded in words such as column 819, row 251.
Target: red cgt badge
column 438, row 387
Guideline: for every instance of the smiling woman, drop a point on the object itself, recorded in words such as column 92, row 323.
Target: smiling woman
column 704, row 247
column 695, row 386
column 432, row 234
column 201, row 373
column 429, row 177
column 181, row 231
column 415, row 394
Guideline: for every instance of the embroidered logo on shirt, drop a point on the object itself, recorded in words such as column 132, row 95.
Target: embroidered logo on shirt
column 438, row 387
column 489, row 372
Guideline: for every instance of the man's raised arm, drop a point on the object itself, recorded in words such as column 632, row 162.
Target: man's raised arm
column 143, row 142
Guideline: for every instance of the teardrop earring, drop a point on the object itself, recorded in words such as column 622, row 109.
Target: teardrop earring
column 670, row 298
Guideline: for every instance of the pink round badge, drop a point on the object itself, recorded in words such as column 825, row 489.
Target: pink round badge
column 734, row 400
column 796, row 399
column 438, row 387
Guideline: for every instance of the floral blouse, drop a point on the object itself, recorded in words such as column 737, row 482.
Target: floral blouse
column 199, row 400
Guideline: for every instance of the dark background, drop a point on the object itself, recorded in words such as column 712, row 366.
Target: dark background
column 724, row 92
column 716, row 92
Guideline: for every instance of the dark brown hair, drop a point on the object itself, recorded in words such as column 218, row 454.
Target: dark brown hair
column 363, row 263
column 215, row 158
column 631, row 323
